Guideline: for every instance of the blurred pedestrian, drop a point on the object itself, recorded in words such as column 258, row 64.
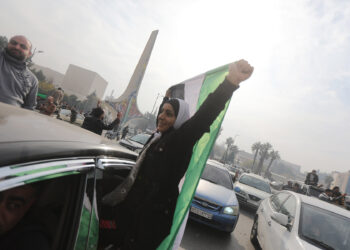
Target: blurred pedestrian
column 73, row 114
column 58, row 96
column 125, row 131
column 49, row 107
column 18, row 85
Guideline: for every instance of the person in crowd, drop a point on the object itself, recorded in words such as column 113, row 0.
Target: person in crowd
column 16, row 232
column 95, row 124
column 296, row 188
column 311, row 178
column 148, row 196
column 326, row 195
column 49, row 107
column 73, row 114
column 338, row 196
column 58, row 96
column 125, row 131
column 18, row 85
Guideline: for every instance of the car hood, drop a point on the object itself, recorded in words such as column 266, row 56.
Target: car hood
column 215, row 193
column 131, row 143
column 251, row 190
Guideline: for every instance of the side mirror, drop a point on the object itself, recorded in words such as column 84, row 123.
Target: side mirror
column 237, row 189
column 281, row 219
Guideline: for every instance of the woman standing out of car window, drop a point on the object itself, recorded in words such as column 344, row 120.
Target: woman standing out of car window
column 150, row 193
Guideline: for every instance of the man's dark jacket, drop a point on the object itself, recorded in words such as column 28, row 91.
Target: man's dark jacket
column 148, row 210
column 97, row 126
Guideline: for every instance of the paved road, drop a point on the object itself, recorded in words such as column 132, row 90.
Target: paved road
column 201, row 237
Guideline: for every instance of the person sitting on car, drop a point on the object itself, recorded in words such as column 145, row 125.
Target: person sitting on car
column 17, row 231
column 311, row 178
column 338, row 196
column 296, row 188
column 95, row 124
column 327, row 195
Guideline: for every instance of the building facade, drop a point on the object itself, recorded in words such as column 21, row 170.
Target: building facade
column 82, row 82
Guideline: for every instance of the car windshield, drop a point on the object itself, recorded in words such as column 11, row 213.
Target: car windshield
column 255, row 183
column 140, row 138
column 217, row 176
column 324, row 228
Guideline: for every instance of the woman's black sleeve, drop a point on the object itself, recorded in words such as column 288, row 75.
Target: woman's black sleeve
column 200, row 122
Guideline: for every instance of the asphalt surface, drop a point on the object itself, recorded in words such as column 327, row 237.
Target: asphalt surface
column 202, row 237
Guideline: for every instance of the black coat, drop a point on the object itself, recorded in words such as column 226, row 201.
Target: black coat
column 95, row 125
column 152, row 199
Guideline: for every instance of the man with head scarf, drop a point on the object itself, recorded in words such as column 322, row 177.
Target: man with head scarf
column 18, row 85
column 150, row 192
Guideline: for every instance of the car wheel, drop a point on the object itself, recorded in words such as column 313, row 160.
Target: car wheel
column 254, row 233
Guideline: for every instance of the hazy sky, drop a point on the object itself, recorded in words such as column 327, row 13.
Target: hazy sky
column 298, row 98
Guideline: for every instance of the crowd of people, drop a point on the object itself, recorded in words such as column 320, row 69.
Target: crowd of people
column 330, row 195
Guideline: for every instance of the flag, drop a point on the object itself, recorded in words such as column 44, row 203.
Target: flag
column 194, row 91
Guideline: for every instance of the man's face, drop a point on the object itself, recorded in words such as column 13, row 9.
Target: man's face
column 19, row 47
column 14, row 204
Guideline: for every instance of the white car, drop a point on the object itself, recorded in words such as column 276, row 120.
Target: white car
column 251, row 189
column 288, row 220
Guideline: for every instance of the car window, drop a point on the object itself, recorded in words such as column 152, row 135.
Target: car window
column 255, row 183
column 277, row 200
column 217, row 176
column 288, row 208
column 323, row 228
column 53, row 217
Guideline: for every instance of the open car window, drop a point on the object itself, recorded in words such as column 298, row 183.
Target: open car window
column 44, row 203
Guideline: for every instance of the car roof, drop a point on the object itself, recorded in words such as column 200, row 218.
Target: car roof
column 256, row 176
column 26, row 135
column 310, row 200
column 216, row 164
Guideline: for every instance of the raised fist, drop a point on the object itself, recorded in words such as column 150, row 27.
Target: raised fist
column 239, row 71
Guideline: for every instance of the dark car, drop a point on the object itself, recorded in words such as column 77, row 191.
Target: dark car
column 70, row 171
column 215, row 203
column 136, row 142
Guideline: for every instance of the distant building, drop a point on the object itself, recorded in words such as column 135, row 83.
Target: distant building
column 53, row 76
column 342, row 180
column 82, row 82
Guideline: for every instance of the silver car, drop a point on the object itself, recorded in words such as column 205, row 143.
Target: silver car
column 251, row 189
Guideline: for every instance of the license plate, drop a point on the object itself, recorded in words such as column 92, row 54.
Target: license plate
column 201, row 213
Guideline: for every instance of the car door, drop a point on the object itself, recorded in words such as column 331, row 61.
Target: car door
column 60, row 214
column 280, row 234
column 110, row 173
column 270, row 205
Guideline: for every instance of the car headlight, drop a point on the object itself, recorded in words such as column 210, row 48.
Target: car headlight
column 231, row 210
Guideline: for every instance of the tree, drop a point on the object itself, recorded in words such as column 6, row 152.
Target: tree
column 264, row 155
column 3, row 42
column 233, row 150
column 229, row 142
column 255, row 147
column 274, row 155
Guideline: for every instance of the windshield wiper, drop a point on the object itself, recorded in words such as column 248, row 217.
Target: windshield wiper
column 322, row 244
